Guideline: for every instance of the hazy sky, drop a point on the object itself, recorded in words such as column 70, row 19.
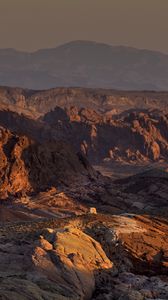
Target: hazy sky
column 34, row 24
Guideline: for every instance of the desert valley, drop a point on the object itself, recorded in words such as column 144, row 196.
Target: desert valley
column 83, row 150
column 83, row 194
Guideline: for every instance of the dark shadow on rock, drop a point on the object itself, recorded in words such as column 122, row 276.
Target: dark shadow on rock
column 55, row 164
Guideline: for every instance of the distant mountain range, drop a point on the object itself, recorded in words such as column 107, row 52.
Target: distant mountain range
column 85, row 64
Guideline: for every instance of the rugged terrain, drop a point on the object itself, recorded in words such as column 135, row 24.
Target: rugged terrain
column 130, row 136
column 27, row 165
column 88, row 257
column 104, row 125
column 111, row 101
column 66, row 230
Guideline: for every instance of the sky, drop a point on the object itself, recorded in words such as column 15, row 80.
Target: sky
column 34, row 24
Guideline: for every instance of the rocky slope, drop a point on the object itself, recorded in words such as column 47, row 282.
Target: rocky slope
column 144, row 193
column 53, row 244
column 89, row 257
column 132, row 136
column 26, row 165
column 119, row 126
column 102, row 100
column 86, row 64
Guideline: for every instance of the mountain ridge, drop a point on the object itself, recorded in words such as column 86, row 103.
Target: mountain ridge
column 73, row 42
column 85, row 64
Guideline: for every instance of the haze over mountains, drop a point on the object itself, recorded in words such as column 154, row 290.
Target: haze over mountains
column 83, row 150
column 67, row 230
column 85, row 64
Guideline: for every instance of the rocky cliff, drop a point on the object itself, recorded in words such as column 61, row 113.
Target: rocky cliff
column 66, row 231
column 89, row 257
column 27, row 165
column 131, row 136
column 104, row 124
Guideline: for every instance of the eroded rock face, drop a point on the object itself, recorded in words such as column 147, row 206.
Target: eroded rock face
column 129, row 286
column 120, row 252
column 60, row 264
column 14, row 176
column 134, row 135
column 136, row 243
column 26, row 165
column 88, row 257
column 111, row 102
column 145, row 193
column 71, row 257
column 138, row 248
column 131, row 137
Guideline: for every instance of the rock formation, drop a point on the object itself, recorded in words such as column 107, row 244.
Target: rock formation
column 67, row 231
column 27, row 166
column 89, row 257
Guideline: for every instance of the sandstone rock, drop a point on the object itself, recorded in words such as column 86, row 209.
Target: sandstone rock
column 69, row 263
column 93, row 210
column 76, row 255
column 138, row 135
column 27, row 166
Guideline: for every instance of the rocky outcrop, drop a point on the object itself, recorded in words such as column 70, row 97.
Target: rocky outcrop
column 137, row 131
column 67, row 232
column 138, row 247
column 110, row 102
column 58, row 264
column 27, row 166
column 134, row 137
column 88, row 257
column 129, row 286
column 75, row 258
column 145, row 192
column 134, row 243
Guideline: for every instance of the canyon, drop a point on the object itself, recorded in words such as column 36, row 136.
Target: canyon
column 83, row 194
